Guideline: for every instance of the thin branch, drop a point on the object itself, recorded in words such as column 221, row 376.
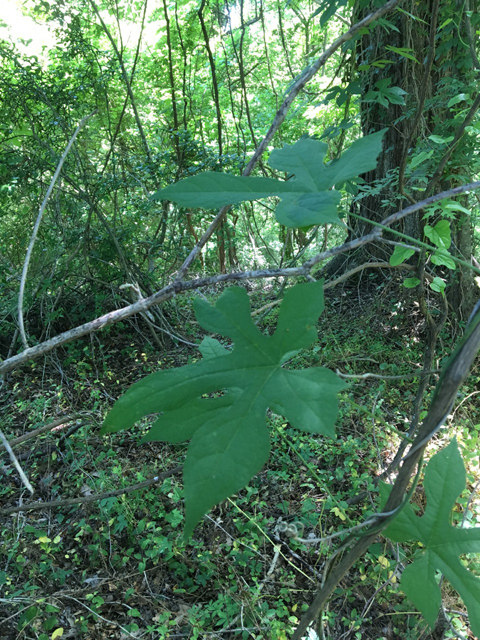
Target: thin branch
column 37, row 225
column 172, row 289
column 16, row 463
column 364, row 376
column 35, row 506
column 47, row 427
column 298, row 85
column 395, row 217
column 126, row 80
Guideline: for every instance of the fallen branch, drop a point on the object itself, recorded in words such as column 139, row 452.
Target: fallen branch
column 35, row 506
column 176, row 287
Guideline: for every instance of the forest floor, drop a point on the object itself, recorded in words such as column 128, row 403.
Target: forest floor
column 117, row 567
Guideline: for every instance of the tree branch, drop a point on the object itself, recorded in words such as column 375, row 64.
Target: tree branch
column 37, row 225
column 178, row 286
column 35, row 506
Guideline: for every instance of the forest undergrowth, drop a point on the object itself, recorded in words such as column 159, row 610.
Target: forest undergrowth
column 117, row 567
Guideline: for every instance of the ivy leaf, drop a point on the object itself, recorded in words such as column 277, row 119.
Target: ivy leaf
column 442, row 543
column 307, row 199
column 384, row 93
column 229, row 437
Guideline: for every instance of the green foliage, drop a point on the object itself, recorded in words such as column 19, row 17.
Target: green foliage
column 441, row 543
column 230, row 441
column 306, row 199
column 384, row 94
column 404, row 52
column 410, row 283
column 327, row 8
column 440, row 234
column 400, row 254
column 100, row 229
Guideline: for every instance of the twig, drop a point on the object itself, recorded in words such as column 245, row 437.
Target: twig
column 96, row 614
column 35, row 506
column 363, row 376
column 13, row 458
column 31, row 244
column 46, row 427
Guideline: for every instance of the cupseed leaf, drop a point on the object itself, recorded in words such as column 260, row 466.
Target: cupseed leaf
column 308, row 198
column 211, row 190
column 451, row 205
column 209, row 348
column 220, row 402
column 400, row 254
column 410, row 283
column 440, row 234
column 442, row 257
column 438, row 285
column 442, row 543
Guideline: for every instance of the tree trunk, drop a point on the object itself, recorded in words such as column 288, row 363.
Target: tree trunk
column 439, row 58
column 407, row 74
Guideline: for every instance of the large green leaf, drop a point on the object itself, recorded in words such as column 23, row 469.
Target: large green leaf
column 442, row 543
column 229, row 436
column 308, row 198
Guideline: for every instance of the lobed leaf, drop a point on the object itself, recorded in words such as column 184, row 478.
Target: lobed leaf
column 308, row 198
column 228, row 433
column 442, row 543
